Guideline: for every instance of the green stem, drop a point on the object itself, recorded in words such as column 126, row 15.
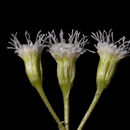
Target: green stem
column 48, row 105
column 66, row 112
column 93, row 104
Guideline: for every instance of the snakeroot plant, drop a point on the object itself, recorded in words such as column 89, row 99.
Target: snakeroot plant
column 66, row 52
column 31, row 55
column 110, row 54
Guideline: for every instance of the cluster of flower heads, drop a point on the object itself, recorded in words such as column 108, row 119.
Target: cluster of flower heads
column 66, row 52
column 74, row 46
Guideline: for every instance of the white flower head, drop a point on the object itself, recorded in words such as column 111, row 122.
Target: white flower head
column 110, row 53
column 106, row 44
column 66, row 52
column 24, row 49
column 71, row 49
column 31, row 55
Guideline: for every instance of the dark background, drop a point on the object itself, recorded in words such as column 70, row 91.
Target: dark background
column 22, row 107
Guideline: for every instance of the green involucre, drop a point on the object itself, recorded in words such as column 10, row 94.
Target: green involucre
column 33, row 68
column 66, row 74
column 106, row 69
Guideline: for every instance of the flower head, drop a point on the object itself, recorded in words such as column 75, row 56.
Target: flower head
column 110, row 53
column 66, row 53
column 31, row 55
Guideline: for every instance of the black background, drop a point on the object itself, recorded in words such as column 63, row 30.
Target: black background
column 21, row 106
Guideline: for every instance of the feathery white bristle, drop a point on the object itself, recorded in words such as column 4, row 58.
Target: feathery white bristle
column 106, row 44
column 72, row 48
column 21, row 49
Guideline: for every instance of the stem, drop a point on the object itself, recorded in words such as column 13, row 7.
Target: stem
column 66, row 112
column 92, row 106
column 48, row 105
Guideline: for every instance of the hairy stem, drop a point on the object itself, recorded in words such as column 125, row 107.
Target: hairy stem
column 66, row 112
column 92, row 106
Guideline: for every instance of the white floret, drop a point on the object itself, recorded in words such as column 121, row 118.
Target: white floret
column 23, row 49
column 106, row 44
column 72, row 48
